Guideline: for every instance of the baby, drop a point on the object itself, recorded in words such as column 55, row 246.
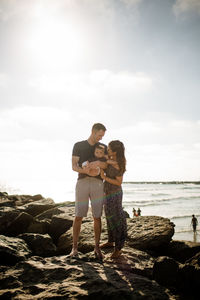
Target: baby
column 99, row 154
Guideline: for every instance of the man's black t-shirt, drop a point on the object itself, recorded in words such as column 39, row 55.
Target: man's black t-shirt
column 85, row 152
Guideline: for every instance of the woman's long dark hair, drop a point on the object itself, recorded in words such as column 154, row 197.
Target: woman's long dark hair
column 118, row 147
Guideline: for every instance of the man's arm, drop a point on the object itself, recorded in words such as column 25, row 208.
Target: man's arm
column 76, row 167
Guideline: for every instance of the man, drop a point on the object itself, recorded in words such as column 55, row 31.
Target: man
column 194, row 223
column 89, row 186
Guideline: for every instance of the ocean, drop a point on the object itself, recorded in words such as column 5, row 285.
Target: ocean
column 177, row 201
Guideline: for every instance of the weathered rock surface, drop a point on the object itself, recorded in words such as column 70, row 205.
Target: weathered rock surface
column 165, row 271
column 40, row 244
column 37, row 207
column 149, row 232
column 58, row 277
column 7, row 215
column 182, row 250
column 12, row 250
column 44, row 228
column 19, row 224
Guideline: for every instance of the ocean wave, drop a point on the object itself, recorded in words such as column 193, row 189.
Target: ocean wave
column 151, row 201
column 186, row 230
column 183, row 216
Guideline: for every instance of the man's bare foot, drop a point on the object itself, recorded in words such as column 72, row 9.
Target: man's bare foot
column 107, row 245
column 74, row 253
column 98, row 254
column 116, row 254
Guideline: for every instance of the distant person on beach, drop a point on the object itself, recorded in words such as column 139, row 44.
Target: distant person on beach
column 134, row 212
column 139, row 212
column 89, row 186
column 194, row 223
column 115, row 217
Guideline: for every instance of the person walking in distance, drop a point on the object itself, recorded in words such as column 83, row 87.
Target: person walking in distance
column 194, row 223
column 89, row 186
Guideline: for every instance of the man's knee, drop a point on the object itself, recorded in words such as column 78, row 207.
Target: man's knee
column 78, row 219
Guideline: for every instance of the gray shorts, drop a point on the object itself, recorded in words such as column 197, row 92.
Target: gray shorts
column 89, row 188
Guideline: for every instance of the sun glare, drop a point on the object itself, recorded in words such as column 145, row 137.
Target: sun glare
column 56, row 43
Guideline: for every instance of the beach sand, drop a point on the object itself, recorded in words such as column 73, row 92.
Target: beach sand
column 187, row 236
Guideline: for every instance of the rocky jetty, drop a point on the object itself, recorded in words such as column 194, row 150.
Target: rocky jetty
column 36, row 238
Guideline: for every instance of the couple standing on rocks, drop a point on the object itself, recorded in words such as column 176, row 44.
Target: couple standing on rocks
column 100, row 175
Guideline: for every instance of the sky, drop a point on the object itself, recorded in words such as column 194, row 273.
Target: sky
column 132, row 65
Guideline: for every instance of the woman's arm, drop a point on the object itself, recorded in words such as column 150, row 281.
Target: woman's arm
column 117, row 181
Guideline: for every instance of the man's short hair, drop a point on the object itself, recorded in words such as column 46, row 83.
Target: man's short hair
column 98, row 126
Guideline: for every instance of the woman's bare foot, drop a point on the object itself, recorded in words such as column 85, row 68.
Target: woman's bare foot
column 116, row 254
column 107, row 245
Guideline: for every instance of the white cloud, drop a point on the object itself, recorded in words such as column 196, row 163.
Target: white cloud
column 4, row 80
column 184, row 6
column 98, row 83
column 35, row 123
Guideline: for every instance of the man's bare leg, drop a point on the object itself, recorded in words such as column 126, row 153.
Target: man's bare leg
column 76, row 231
column 97, row 234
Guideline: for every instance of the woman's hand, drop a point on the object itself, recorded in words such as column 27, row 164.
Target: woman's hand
column 102, row 174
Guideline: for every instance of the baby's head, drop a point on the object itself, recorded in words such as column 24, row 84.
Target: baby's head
column 99, row 151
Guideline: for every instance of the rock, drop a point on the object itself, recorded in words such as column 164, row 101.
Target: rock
column 40, row 244
column 6, row 202
column 23, row 199
column 37, row 207
column 131, row 260
column 59, row 225
column 86, row 238
column 189, row 275
column 165, row 271
column 12, row 250
column 3, row 194
column 57, row 277
column 48, row 214
column 19, row 224
column 7, row 215
column 36, row 226
column 182, row 250
column 149, row 232
column 126, row 214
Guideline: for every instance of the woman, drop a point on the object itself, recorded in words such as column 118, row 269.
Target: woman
column 115, row 217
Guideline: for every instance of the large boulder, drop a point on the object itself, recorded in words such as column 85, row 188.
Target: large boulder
column 12, row 250
column 19, row 224
column 7, row 215
column 189, row 275
column 49, row 213
column 165, row 271
column 37, row 207
column 40, row 244
column 23, row 199
column 86, row 238
column 59, row 224
column 181, row 250
column 37, row 226
column 149, row 232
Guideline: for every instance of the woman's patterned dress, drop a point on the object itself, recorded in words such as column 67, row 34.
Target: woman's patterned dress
column 115, row 216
